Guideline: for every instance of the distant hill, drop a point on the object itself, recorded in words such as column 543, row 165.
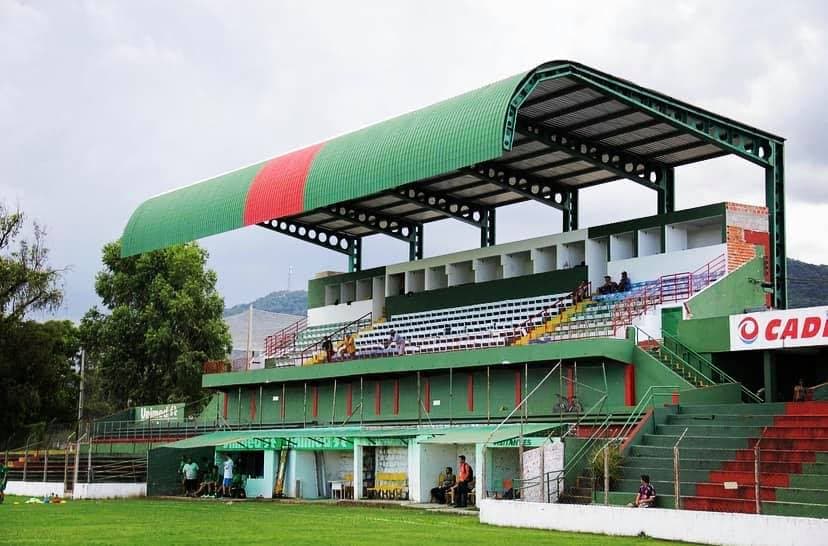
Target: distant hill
column 294, row 302
column 807, row 287
column 807, row 284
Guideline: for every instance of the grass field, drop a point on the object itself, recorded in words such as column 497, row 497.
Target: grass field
column 216, row 522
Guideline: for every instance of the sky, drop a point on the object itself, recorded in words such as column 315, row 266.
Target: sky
column 104, row 104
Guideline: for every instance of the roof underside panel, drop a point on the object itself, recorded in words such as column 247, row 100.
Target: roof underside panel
column 440, row 138
column 186, row 214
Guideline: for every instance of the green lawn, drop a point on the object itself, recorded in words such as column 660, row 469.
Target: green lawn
column 217, row 522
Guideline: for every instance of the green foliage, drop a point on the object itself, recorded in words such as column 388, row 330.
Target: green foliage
column 163, row 322
column 39, row 384
column 294, row 302
column 614, row 465
column 27, row 282
column 172, row 522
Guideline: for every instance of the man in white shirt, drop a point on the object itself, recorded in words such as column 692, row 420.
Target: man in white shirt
column 191, row 476
column 228, row 475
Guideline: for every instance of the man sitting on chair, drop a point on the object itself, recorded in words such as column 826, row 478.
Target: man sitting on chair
column 445, row 482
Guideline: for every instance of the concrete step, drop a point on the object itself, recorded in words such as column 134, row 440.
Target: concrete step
column 721, row 419
column 701, row 442
column 629, row 485
column 796, row 432
column 802, row 495
column 777, row 455
column 792, row 444
column 734, row 409
column 647, row 463
column 710, row 504
column 809, row 510
column 666, row 452
column 730, row 431
column 806, row 408
column 764, row 466
column 744, row 492
column 801, row 420
column 769, row 479
column 665, row 474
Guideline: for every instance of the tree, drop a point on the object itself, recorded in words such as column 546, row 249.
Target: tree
column 164, row 321
column 39, row 381
column 27, row 282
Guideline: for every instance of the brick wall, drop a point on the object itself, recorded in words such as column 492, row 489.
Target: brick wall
column 747, row 227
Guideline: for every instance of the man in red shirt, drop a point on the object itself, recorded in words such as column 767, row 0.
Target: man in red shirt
column 465, row 476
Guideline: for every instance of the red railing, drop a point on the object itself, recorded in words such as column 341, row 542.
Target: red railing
column 334, row 337
column 284, row 339
column 668, row 288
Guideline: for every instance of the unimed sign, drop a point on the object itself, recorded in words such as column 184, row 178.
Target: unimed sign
column 165, row 412
column 778, row 329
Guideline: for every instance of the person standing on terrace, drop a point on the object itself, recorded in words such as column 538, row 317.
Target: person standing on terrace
column 624, row 284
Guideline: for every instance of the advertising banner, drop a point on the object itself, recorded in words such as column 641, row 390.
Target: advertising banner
column 163, row 412
column 806, row 327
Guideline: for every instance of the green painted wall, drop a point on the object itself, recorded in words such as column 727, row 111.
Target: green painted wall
column 650, row 372
column 316, row 287
column 738, row 291
column 552, row 282
column 619, row 350
column 717, row 394
column 706, row 335
column 670, row 317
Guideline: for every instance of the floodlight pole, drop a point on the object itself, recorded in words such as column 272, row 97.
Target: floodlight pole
column 80, row 416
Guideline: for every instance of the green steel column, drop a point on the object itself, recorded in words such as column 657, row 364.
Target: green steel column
column 415, row 244
column 355, row 256
column 667, row 192
column 775, row 201
column 487, row 228
column 570, row 213
column 769, row 363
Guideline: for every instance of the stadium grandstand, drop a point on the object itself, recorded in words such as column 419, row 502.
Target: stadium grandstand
column 530, row 358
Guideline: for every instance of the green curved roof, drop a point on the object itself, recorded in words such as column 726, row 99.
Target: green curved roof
column 437, row 139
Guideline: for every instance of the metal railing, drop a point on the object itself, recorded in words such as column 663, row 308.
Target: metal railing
column 283, row 340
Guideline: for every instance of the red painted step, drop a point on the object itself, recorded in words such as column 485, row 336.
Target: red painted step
column 806, row 408
column 744, row 492
column 819, row 444
column 764, row 466
column 801, row 420
column 796, row 433
column 769, row 479
column 719, row 505
column 776, row 455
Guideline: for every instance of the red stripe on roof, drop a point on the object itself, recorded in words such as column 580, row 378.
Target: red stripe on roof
column 278, row 189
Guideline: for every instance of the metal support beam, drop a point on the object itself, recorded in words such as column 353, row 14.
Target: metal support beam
column 332, row 240
column 524, row 184
column 487, row 229
column 667, row 193
column 415, row 243
column 375, row 221
column 618, row 162
column 775, row 201
column 459, row 209
column 570, row 213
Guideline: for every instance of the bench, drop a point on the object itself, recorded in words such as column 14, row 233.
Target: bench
column 390, row 485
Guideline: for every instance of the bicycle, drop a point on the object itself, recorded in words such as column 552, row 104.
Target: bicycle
column 568, row 405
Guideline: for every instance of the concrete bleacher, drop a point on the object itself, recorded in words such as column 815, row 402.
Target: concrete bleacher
column 469, row 327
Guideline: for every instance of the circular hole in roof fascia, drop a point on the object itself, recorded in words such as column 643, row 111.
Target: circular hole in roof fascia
column 558, row 197
column 292, row 228
column 343, row 244
column 322, row 237
column 334, row 240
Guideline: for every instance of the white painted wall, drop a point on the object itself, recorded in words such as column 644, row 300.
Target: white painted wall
column 649, row 241
column 486, row 269
column 436, row 278
column 544, row 259
column 596, row 259
column 378, row 301
column 263, row 487
column 675, row 238
column 432, row 459
column 337, row 464
column 343, row 312
column 649, row 268
column 704, row 236
column 460, row 273
column 109, row 490
column 358, row 455
column 621, row 246
column 685, row 525
column 415, row 281
column 516, row 265
column 391, row 459
column 301, row 466
column 35, row 489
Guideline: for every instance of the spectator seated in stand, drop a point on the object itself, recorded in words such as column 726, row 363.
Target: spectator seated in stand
column 799, row 393
column 646, row 496
column 209, row 484
column 609, row 287
column 398, row 341
column 237, row 487
column 346, row 348
column 445, row 481
column 624, row 284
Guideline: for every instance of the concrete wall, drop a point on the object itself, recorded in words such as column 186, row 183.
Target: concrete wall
column 35, row 489
column 432, row 459
column 339, row 313
column 649, row 268
column 263, row 487
column 301, row 466
column 685, row 525
column 109, row 490
column 391, row 459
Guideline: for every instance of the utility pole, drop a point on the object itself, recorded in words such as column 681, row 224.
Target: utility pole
column 290, row 274
column 80, row 416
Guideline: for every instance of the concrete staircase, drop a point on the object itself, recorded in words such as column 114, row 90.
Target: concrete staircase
column 718, row 448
